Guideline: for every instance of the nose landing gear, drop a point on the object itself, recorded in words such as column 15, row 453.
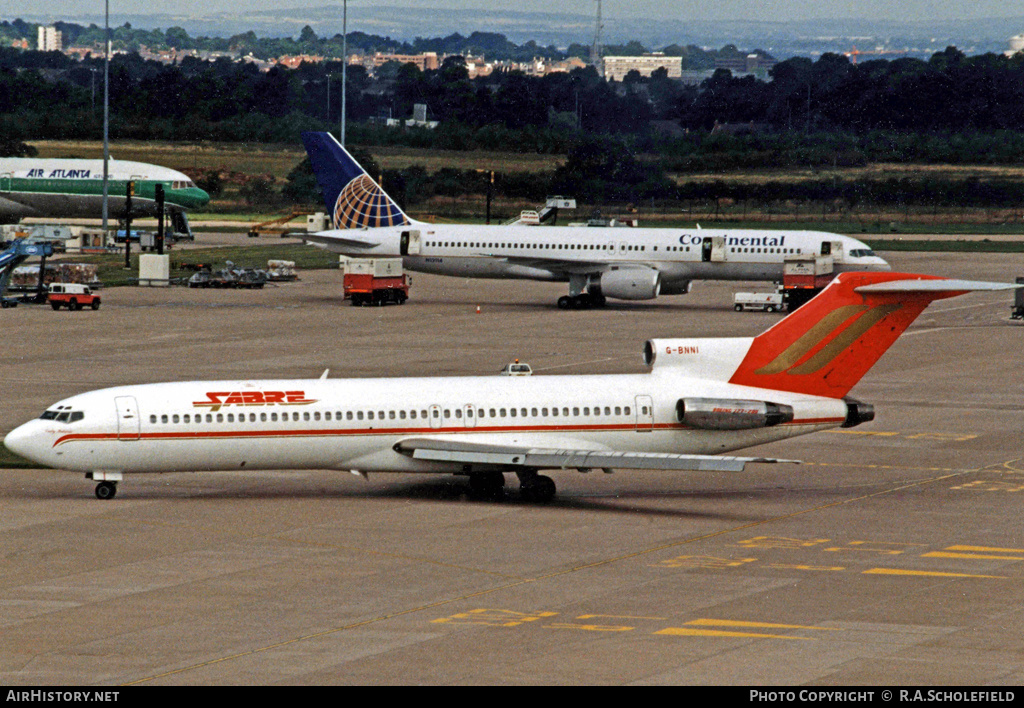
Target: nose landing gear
column 107, row 487
column 106, row 490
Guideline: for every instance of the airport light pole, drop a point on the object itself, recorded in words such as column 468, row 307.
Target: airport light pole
column 344, row 65
column 106, row 121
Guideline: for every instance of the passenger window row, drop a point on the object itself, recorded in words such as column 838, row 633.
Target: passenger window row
column 448, row 413
column 543, row 246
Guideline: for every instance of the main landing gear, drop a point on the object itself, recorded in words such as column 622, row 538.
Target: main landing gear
column 532, row 486
column 583, row 301
column 583, row 294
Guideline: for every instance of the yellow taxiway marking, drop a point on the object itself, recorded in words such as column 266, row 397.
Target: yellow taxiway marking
column 984, row 549
column 699, row 628
column 703, row 622
column 973, row 556
column 928, row 573
column 590, row 627
column 687, row 632
column 783, row 566
column 977, row 553
column 632, row 617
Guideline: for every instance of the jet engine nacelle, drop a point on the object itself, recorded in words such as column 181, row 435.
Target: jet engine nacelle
column 731, row 414
column 857, row 412
column 631, row 284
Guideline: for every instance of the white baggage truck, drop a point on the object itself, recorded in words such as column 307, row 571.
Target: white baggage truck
column 766, row 302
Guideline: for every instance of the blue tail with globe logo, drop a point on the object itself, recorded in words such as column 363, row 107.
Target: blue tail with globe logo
column 353, row 199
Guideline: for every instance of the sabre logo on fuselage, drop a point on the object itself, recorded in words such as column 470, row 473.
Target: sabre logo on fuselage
column 215, row 400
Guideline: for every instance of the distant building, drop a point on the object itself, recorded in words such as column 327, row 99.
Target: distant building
column 427, row 61
column 616, row 68
column 1016, row 45
column 50, row 39
column 293, row 62
column 746, row 63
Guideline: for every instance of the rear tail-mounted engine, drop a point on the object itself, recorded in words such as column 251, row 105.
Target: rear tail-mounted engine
column 857, row 412
column 731, row 414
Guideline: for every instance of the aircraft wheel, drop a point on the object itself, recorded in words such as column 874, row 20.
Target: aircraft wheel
column 564, row 302
column 539, row 489
column 106, row 490
column 487, row 485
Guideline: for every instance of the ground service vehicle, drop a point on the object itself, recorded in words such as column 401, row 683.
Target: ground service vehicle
column 769, row 302
column 375, row 281
column 73, row 296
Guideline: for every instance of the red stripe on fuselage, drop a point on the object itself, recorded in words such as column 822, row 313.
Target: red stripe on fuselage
column 344, row 432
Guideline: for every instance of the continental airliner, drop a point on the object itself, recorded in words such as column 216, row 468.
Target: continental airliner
column 702, row 398
column 597, row 263
column 72, row 188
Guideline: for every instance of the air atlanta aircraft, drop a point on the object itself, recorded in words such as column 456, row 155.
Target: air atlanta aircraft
column 701, row 398
column 57, row 188
column 625, row 264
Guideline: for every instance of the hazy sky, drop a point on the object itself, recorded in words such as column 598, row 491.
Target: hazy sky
column 766, row 10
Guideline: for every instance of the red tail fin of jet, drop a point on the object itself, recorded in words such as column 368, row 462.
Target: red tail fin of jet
column 826, row 346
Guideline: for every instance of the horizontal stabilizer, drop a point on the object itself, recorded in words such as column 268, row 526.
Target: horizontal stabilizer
column 335, row 238
column 826, row 346
column 935, row 286
column 442, row 450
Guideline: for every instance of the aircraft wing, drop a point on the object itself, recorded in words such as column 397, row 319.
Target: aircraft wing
column 555, row 265
column 444, row 450
column 333, row 238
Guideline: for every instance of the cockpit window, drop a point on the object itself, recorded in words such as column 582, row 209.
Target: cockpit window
column 63, row 416
column 861, row 252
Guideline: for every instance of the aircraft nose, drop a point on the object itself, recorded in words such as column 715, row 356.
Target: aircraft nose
column 21, row 441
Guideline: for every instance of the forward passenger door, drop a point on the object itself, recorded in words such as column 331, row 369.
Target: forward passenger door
column 128, row 426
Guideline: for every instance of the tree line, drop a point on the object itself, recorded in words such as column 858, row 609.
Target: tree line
column 832, row 112
column 48, row 95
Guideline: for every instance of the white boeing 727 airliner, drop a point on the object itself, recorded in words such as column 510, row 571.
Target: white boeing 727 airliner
column 702, row 397
column 625, row 264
